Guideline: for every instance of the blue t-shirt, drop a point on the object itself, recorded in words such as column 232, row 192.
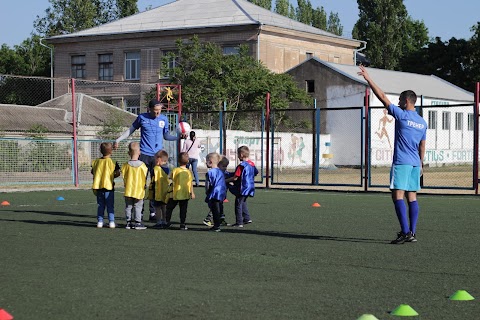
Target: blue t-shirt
column 216, row 187
column 152, row 132
column 410, row 129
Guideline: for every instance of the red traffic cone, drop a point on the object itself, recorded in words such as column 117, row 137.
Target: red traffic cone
column 4, row 315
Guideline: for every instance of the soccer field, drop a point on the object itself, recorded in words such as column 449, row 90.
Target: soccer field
column 294, row 261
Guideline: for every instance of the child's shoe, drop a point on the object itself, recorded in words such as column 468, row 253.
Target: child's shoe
column 183, row 227
column 100, row 224
column 139, row 226
column 236, row 225
column 207, row 222
column 111, row 225
column 129, row 225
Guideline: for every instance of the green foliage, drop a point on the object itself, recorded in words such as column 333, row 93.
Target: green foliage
column 282, row 7
column 319, row 18
column 37, row 131
column 450, row 60
column 208, row 78
column 9, row 155
column 383, row 24
column 68, row 16
column 112, row 127
column 267, row 4
column 23, row 91
column 304, row 11
column 28, row 58
column 334, row 25
column 46, row 156
column 390, row 33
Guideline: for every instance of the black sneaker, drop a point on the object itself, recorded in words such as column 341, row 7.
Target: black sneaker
column 139, row 226
column 411, row 237
column 247, row 221
column 223, row 222
column 215, row 229
column 152, row 218
column 129, row 225
column 401, row 238
column 183, row 227
column 207, row 222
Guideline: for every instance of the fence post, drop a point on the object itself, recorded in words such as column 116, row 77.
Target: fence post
column 367, row 139
column 420, row 112
column 267, row 158
column 75, row 147
column 476, row 136
column 317, row 140
column 222, row 143
column 158, row 91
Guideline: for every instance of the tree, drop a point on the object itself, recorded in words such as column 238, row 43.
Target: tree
column 68, row 16
column 282, row 7
column 333, row 25
column 208, row 78
column 319, row 18
column 450, row 60
column 416, row 36
column 267, row 4
column 304, row 11
column 382, row 23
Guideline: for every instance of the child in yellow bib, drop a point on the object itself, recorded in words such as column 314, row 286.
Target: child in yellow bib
column 134, row 174
column 159, row 188
column 182, row 190
column 104, row 171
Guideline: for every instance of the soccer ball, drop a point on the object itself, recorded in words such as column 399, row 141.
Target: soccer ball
column 183, row 128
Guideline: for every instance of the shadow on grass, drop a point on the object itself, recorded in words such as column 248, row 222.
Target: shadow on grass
column 56, row 213
column 60, row 222
column 289, row 235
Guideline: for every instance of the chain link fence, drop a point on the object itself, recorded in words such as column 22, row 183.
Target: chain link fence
column 311, row 147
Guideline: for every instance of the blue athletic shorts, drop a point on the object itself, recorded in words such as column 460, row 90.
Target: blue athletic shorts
column 405, row 177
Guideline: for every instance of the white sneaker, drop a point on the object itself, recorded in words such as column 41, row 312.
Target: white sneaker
column 99, row 224
column 111, row 225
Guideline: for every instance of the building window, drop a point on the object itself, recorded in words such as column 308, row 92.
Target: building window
column 458, row 121
column 169, row 62
column 132, row 66
column 308, row 55
column 445, row 120
column 105, row 67
column 78, row 67
column 470, row 122
column 230, row 51
column 310, row 86
column 432, row 119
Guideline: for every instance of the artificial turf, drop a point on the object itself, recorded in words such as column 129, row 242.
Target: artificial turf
column 293, row 262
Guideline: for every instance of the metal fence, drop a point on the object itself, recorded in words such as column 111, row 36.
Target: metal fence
column 334, row 147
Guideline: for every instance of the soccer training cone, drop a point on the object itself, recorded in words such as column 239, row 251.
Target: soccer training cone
column 368, row 317
column 316, row 205
column 60, row 198
column 4, row 315
column 5, row 203
column 461, row 295
column 404, row 310
column 226, row 200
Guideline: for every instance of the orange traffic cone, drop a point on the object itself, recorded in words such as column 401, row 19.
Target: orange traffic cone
column 5, row 203
column 4, row 315
column 316, row 205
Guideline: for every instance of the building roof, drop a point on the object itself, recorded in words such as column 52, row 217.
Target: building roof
column 395, row 82
column 56, row 116
column 16, row 118
column 191, row 14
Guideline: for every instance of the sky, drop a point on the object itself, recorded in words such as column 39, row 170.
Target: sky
column 442, row 18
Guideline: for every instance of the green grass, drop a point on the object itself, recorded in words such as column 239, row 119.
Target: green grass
column 293, row 262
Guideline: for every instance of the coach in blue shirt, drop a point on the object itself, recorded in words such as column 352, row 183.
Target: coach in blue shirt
column 408, row 154
column 153, row 129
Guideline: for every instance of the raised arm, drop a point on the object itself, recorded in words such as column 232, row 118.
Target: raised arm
column 375, row 88
column 124, row 136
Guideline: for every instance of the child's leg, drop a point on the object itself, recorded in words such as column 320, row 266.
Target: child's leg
column 100, row 205
column 170, row 206
column 138, row 208
column 183, row 210
column 215, row 205
column 128, row 208
column 110, row 201
column 245, row 213
column 162, row 211
column 238, row 210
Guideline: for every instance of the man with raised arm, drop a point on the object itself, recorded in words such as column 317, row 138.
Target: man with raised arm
column 408, row 155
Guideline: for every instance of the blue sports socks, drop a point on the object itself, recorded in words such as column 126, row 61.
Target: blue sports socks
column 413, row 214
column 401, row 210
